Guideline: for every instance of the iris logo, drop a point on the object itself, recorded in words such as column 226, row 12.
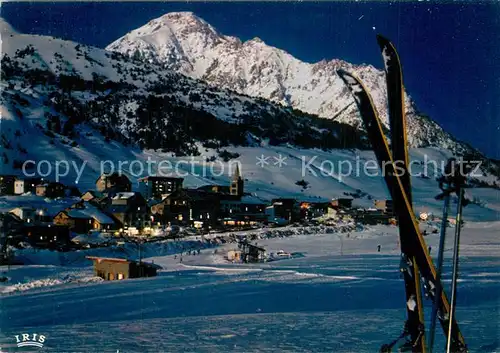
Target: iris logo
column 30, row 340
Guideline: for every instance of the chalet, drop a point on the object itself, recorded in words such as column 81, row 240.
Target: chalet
column 76, row 221
column 27, row 214
column 22, row 186
column 7, row 184
column 47, row 236
column 51, row 190
column 342, row 203
column 112, row 269
column 191, row 206
column 130, row 209
column 113, row 183
column 81, row 218
column 384, row 205
column 157, row 186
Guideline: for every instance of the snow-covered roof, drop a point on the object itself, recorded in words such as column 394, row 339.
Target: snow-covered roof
column 89, row 212
column 123, row 195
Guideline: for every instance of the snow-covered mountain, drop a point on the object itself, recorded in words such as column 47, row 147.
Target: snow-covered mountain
column 144, row 104
column 185, row 43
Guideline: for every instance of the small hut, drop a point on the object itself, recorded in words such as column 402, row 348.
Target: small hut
column 112, row 269
column 251, row 252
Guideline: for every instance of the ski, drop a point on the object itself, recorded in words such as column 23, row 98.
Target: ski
column 397, row 124
column 415, row 239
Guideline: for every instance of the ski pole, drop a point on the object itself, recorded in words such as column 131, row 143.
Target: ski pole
column 439, row 288
column 455, row 268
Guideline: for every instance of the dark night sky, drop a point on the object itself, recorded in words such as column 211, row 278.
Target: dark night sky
column 450, row 51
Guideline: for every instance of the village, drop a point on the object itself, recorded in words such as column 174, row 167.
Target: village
column 160, row 209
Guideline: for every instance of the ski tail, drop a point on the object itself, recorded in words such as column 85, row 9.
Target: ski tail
column 419, row 248
column 399, row 147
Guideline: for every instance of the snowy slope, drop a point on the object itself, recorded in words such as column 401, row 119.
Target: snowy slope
column 183, row 42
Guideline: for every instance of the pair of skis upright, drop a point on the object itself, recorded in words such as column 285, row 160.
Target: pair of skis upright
column 416, row 261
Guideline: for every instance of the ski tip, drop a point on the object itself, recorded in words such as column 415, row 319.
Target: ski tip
column 347, row 77
column 342, row 72
column 382, row 41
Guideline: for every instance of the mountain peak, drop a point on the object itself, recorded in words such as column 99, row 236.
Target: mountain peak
column 257, row 40
column 175, row 23
column 168, row 38
column 181, row 16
